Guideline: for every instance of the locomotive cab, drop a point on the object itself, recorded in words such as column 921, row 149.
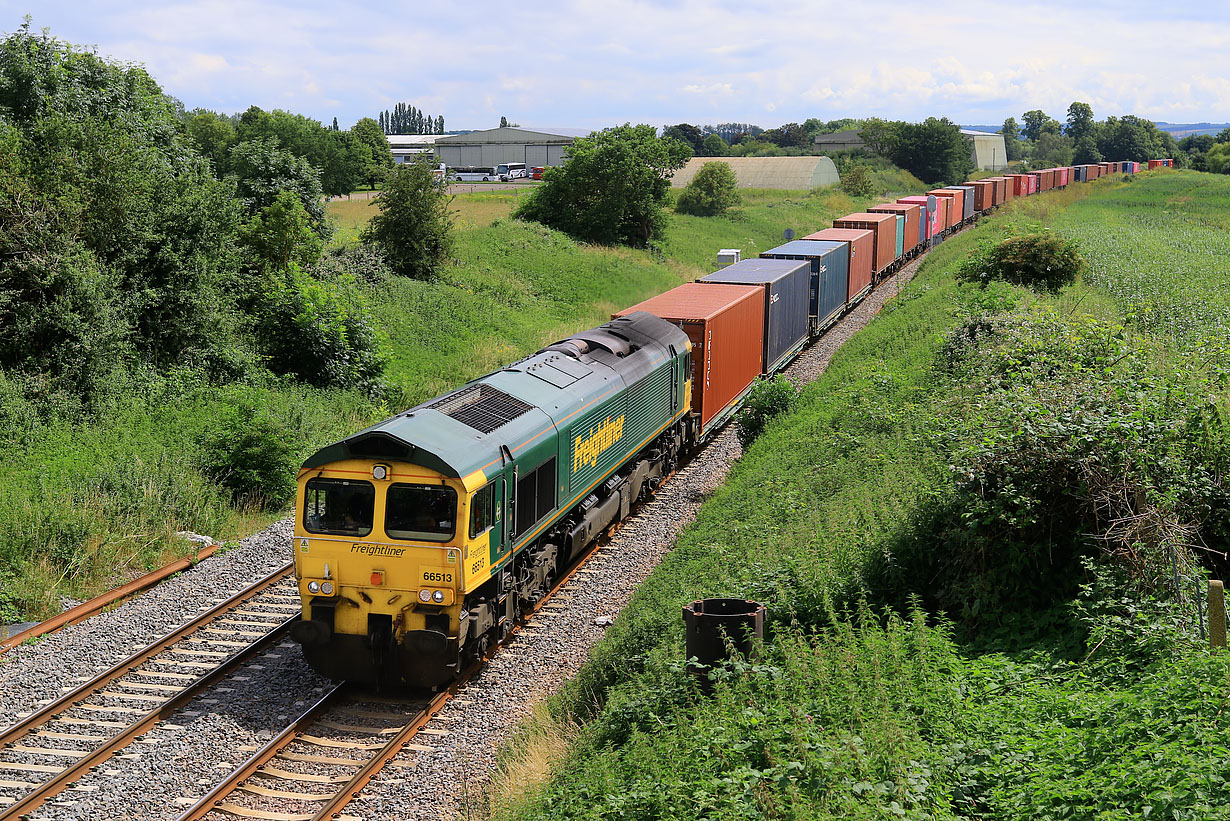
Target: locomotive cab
column 379, row 554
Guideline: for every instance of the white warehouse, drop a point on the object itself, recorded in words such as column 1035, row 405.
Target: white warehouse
column 503, row 145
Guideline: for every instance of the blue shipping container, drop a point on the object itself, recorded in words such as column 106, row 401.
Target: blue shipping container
column 830, row 274
column 787, row 320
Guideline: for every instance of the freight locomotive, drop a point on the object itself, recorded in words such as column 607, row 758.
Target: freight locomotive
column 420, row 541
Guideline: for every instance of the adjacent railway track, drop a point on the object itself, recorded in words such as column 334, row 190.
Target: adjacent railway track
column 320, row 763
column 44, row 753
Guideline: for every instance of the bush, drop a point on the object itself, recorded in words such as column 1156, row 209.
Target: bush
column 1043, row 262
column 767, row 399
column 857, row 182
column 247, row 452
column 711, row 192
column 414, row 227
column 364, row 262
column 321, row 332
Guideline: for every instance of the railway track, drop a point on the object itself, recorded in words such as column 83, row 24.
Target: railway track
column 46, row 752
column 320, row 763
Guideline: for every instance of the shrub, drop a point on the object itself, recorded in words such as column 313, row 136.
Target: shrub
column 711, row 192
column 247, row 452
column 414, row 227
column 321, row 332
column 857, row 182
column 767, row 399
column 1043, row 262
column 365, row 263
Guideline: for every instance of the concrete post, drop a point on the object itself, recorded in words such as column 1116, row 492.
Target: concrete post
column 1217, row 613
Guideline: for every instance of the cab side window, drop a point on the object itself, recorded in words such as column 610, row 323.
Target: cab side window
column 482, row 510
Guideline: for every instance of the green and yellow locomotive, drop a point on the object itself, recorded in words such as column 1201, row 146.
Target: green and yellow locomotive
column 421, row 540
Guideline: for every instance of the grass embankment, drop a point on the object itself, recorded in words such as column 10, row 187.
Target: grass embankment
column 84, row 503
column 935, row 466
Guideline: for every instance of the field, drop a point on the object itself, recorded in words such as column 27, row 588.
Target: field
column 947, row 637
column 86, row 504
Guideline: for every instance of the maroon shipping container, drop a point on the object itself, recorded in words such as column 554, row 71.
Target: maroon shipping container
column 862, row 249
column 984, row 194
column 912, row 214
column 726, row 326
column 884, row 226
column 956, row 204
column 999, row 189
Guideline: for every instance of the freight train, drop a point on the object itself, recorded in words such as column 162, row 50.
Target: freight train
column 420, row 541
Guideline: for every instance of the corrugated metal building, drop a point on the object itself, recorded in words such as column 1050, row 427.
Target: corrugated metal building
column 406, row 147
column 787, row 173
column 987, row 150
column 501, row 145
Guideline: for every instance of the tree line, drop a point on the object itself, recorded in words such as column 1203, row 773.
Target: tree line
column 1041, row 141
column 404, row 119
column 748, row 140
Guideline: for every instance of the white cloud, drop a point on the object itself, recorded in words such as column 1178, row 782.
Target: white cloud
column 592, row 63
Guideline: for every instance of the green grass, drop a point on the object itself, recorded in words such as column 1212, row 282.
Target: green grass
column 1099, row 706
column 85, row 503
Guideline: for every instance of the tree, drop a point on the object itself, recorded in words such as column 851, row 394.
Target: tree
column 1052, row 149
column 857, row 182
column 933, row 150
column 346, row 163
column 335, row 128
column 1038, row 123
column 1217, row 160
column 713, row 146
column 1133, row 138
column 1086, row 151
column 790, row 135
column 380, row 158
column 612, row 189
column 686, row 133
column 1012, row 139
column 711, row 192
column 282, row 235
column 213, row 136
column 261, row 171
column 1080, row 121
column 503, row 122
column 414, row 226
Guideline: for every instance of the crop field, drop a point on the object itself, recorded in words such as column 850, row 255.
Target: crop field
column 949, row 637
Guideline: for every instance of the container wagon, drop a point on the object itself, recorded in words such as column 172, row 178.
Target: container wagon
column 829, row 263
column 787, row 297
column 860, row 245
column 884, row 228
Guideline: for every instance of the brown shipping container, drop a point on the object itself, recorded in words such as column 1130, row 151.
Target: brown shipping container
column 1005, row 189
column 998, row 188
column 862, row 245
column 984, row 194
column 884, row 226
column 726, row 326
column 912, row 214
column 956, row 202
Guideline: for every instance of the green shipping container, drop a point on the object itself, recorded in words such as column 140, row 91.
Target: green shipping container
column 900, row 235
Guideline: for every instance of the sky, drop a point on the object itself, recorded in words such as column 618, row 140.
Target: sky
column 591, row 64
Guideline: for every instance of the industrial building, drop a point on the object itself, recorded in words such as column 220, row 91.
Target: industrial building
column 406, row 147
column 786, row 173
column 988, row 150
column 504, row 145
column 837, row 141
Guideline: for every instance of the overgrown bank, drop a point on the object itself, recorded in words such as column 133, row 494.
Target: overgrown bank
column 1039, row 467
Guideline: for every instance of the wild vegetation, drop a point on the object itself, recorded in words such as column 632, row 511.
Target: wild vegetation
column 982, row 537
column 182, row 318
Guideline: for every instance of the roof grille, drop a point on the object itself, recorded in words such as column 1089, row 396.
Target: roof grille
column 482, row 407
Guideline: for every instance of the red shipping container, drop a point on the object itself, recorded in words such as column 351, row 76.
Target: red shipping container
column 1064, row 176
column 726, row 326
column 956, row 204
column 884, row 226
column 1003, row 189
column 1019, row 183
column 862, row 249
column 928, row 211
column 912, row 214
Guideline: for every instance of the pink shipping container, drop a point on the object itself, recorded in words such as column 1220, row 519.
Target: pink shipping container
column 726, row 326
column 930, row 214
column 1065, row 174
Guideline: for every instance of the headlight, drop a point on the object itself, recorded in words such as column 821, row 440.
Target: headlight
column 380, row 472
column 438, row 596
column 313, row 587
column 326, row 588
column 424, row 595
